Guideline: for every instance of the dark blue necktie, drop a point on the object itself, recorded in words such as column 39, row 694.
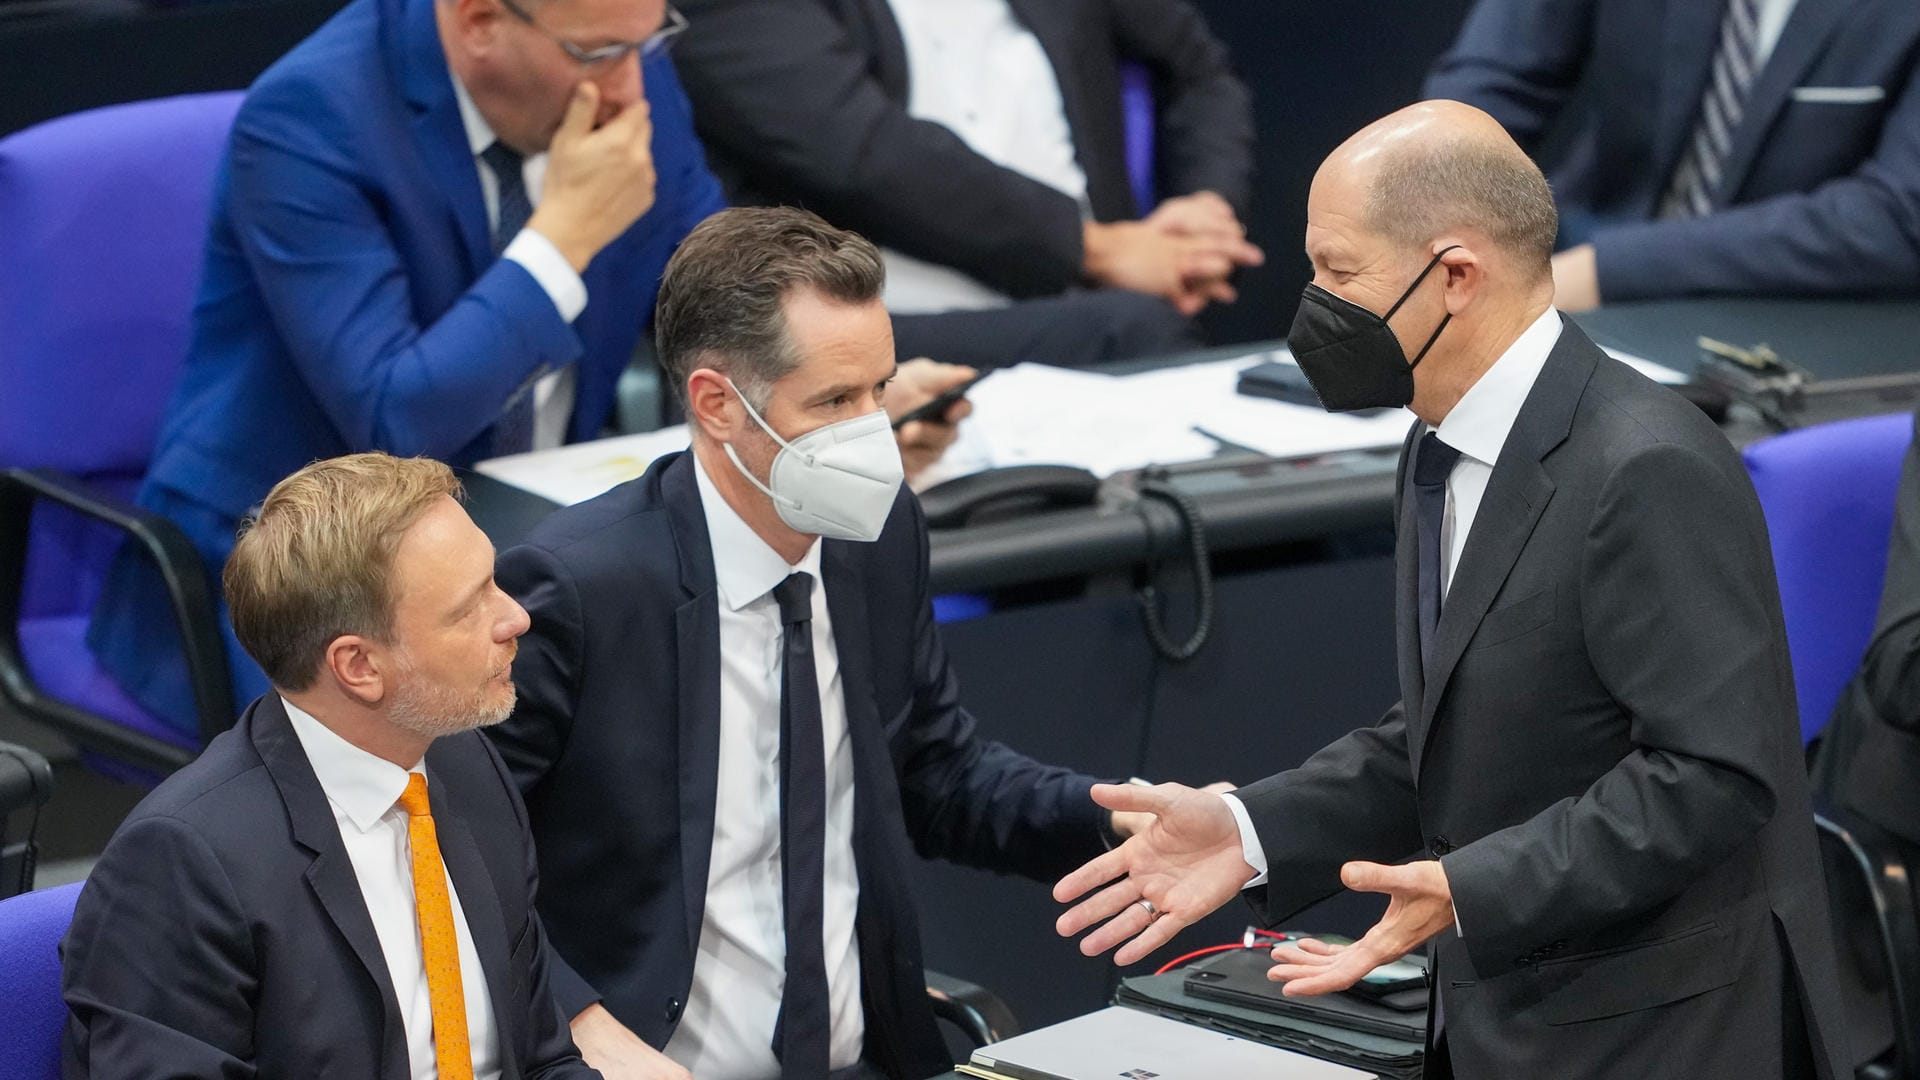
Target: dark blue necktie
column 513, row 431
column 1430, row 472
column 801, row 1036
column 515, row 208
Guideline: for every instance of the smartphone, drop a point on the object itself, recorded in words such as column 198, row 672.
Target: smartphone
column 936, row 408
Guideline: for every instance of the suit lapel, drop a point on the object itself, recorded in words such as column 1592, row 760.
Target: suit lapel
column 1692, row 34
column 421, row 70
column 485, row 922
column 1812, row 23
column 330, row 875
column 697, row 625
column 1517, row 494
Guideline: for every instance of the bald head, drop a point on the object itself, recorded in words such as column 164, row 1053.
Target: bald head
column 1441, row 167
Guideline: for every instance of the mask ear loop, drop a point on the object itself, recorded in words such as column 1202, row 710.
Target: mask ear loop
column 734, row 455
column 764, row 426
column 1405, row 296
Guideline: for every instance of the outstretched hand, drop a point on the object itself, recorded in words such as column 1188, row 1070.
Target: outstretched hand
column 1421, row 906
column 1185, row 863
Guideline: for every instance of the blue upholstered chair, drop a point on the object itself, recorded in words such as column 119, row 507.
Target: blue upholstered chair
column 103, row 221
column 32, row 1012
column 1828, row 493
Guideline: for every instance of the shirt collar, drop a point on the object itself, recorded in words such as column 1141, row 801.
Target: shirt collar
column 479, row 133
column 364, row 786
column 744, row 567
column 1480, row 421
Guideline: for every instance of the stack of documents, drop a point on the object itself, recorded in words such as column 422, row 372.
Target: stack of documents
column 1032, row 414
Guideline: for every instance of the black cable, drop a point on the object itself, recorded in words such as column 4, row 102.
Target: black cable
column 1154, row 485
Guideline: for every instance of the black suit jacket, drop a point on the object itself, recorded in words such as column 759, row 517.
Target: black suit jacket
column 1869, row 756
column 1605, row 758
column 615, row 743
column 1821, row 193
column 223, row 934
column 804, row 102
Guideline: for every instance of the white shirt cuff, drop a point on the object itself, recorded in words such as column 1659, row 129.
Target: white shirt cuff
column 551, row 269
column 1250, row 848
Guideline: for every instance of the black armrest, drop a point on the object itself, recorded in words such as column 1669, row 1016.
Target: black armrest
column 188, row 592
column 26, row 782
column 980, row 1015
column 1877, row 930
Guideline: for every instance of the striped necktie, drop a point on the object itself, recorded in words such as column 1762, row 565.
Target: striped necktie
column 1735, row 66
column 439, row 948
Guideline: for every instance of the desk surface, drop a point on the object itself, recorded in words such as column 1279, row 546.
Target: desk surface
column 1248, row 501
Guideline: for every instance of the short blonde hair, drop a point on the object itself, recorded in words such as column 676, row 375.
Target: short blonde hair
column 314, row 562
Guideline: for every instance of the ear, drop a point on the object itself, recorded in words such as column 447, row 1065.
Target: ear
column 359, row 667
column 1465, row 273
column 713, row 406
column 475, row 22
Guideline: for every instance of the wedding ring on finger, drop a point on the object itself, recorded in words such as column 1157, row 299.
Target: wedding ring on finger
column 1147, row 905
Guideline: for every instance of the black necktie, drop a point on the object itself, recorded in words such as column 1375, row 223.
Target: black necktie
column 800, row 1038
column 1430, row 472
column 513, row 432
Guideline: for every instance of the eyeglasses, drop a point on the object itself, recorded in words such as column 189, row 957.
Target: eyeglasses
column 653, row 46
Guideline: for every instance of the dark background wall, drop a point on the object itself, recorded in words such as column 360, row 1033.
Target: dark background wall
column 1319, row 71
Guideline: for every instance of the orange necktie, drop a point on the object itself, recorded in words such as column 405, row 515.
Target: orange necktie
column 438, row 947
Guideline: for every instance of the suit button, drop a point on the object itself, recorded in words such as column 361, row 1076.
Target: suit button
column 673, row 1009
column 1439, row 845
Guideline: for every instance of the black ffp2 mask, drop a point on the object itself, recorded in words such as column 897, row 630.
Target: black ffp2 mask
column 1350, row 355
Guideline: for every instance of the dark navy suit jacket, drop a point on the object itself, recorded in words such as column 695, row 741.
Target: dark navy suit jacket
column 223, row 934
column 350, row 299
column 616, row 744
column 1821, row 192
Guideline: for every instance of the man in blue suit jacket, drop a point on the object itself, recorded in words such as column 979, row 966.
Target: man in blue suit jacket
column 1818, row 185
column 438, row 231
column 656, row 704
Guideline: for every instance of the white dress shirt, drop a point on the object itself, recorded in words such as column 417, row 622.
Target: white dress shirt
column 553, row 393
column 975, row 69
column 1477, row 426
column 1773, row 19
column 364, row 793
column 739, row 970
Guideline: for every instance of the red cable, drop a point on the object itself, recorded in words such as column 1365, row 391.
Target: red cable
column 1211, row 949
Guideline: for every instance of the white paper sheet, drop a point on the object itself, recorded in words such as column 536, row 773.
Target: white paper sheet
column 576, row 473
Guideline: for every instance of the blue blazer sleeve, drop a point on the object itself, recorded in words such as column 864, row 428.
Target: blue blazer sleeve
column 334, row 272
column 1858, row 233
column 1519, row 60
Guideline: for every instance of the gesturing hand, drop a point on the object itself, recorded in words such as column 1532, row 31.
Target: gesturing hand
column 1185, row 863
column 1421, row 906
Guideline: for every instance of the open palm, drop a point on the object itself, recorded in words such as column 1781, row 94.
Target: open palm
column 1185, row 864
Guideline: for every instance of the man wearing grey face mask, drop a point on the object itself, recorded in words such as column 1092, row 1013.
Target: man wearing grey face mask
column 732, row 732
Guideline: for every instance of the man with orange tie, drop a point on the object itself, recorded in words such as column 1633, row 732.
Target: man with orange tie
column 342, row 885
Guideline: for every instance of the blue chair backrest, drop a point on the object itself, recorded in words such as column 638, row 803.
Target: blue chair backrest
column 1137, row 116
column 103, row 223
column 32, row 1013
column 1828, row 493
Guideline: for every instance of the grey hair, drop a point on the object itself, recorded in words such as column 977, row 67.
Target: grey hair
column 722, row 295
column 1422, row 192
